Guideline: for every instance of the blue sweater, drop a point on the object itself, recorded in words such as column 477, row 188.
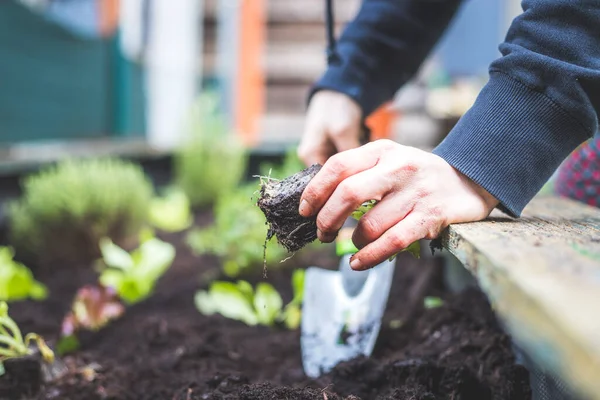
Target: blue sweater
column 541, row 101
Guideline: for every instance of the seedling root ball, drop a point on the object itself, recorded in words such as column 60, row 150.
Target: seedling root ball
column 279, row 201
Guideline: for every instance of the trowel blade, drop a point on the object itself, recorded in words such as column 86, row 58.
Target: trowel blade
column 335, row 326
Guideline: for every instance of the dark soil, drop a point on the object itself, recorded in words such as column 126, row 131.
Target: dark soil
column 164, row 349
column 279, row 201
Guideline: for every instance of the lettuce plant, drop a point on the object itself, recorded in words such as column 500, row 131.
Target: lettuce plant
column 134, row 275
column 94, row 306
column 14, row 345
column 16, row 280
column 260, row 306
column 171, row 212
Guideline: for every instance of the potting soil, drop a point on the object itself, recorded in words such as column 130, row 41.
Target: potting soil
column 164, row 349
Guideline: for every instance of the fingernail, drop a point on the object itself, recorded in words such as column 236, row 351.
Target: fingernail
column 304, row 208
column 355, row 263
column 325, row 237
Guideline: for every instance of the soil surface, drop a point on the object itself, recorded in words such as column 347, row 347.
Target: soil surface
column 164, row 349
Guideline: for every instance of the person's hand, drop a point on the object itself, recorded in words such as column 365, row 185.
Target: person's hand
column 418, row 194
column 333, row 123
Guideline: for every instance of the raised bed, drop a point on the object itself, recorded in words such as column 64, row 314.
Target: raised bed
column 163, row 348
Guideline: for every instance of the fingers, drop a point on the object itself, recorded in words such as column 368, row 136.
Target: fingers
column 387, row 213
column 334, row 171
column 414, row 227
column 347, row 196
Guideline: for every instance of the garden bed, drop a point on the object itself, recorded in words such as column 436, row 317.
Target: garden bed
column 163, row 348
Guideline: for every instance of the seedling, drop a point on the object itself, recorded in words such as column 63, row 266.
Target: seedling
column 93, row 308
column 432, row 302
column 171, row 212
column 14, row 345
column 16, row 280
column 260, row 306
column 134, row 275
column 237, row 236
column 279, row 201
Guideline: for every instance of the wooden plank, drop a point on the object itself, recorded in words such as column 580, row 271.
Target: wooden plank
column 542, row 275
column 287, row 98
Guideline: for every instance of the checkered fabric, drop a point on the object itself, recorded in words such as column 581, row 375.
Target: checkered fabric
column 578, row 177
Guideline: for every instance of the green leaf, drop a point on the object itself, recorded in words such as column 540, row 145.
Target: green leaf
column 230, row 302
column 363, row 208
column 172, row 212
column 16, row 280
column 114, row 256
column 267, row 303
column 135, row 280
column 298, row 285
column 67, row 344
column 204, row 303
column 432, row 302
column 292, row 316
column 246, row 289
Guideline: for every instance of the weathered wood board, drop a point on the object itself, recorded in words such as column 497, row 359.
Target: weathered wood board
column 541, row 273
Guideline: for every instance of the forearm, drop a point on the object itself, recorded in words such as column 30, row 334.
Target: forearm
column 541, row 102
column 383, row 47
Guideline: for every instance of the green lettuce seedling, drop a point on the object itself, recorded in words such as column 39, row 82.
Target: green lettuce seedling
column 14, row 345
column 414, row 248
column 134, row 275
column 260, row 306
column 171, row 212
column 16, row 280
column 93, row 308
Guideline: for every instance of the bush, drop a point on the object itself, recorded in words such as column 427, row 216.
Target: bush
column 212, row 162
column 66, row 208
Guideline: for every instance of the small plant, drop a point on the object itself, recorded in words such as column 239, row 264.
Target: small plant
column 16, row 280
column 171, row 212
column 430, row 302
column 134, row 275
column 67, row 207
column 14, row 345
column 213, row 161
column 92, row 309
column 263, row 306
column 237, row 235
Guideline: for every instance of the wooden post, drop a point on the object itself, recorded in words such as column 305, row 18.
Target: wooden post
column 250, row 91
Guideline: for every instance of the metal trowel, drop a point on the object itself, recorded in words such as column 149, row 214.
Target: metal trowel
column 342, row 311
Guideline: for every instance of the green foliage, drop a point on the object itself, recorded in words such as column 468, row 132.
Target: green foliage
column 414, row 248
column 432, row 302
column 263, row 306
column 76, row 202
column 237, row 235
column 12, row 342
column 211, row 164
column 171, row 212
column 16, row 280
column 134, row 275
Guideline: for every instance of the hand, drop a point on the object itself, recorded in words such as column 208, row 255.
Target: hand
column 418, row 193
column 333, row 123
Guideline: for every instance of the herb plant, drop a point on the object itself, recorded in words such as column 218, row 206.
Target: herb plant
column 134, row 275
column 16, row 280
column 260, row 306
column 14, row 345
column 212, row 162
column 67, row 207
